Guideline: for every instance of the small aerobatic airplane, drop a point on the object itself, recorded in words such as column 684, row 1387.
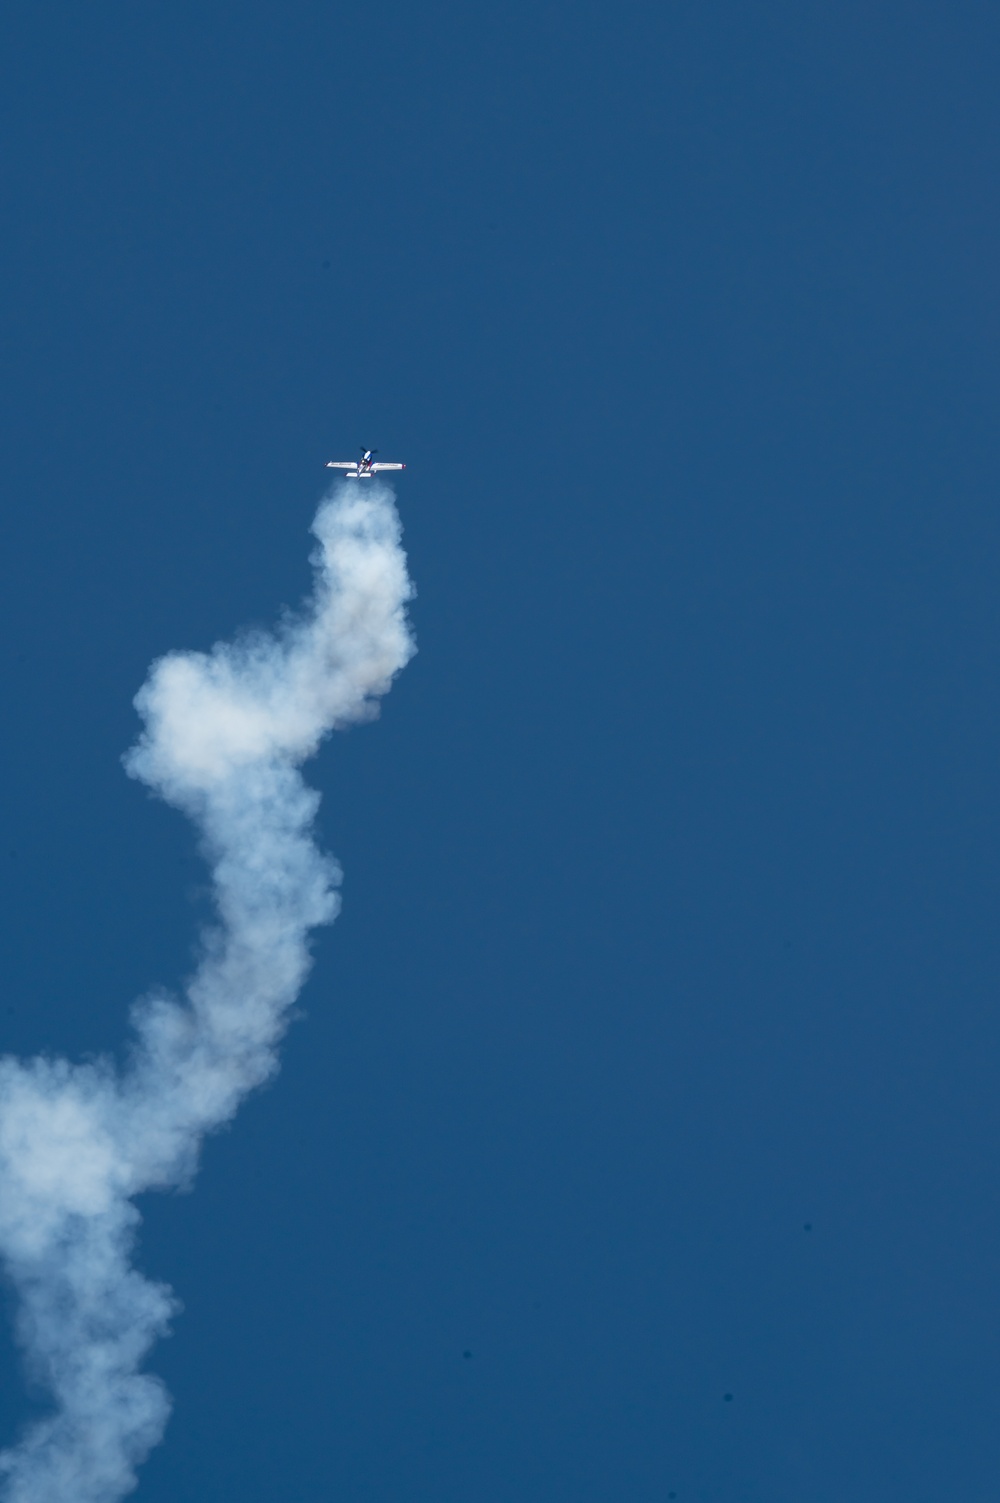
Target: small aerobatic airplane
column 363, row 468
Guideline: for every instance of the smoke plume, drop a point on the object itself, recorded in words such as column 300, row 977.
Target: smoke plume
column 224, row 732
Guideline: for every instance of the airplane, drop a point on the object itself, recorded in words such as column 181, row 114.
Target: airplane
column 363, row 468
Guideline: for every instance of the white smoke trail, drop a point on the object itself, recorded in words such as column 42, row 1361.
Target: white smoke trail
column 223, row 734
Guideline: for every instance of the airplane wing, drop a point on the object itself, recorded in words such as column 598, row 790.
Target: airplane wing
column 341, row 464
column 380, row 465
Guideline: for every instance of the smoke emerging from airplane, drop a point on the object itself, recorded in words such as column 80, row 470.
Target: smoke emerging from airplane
column 224, row 732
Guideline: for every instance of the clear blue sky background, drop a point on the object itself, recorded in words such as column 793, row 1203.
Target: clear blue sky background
column 671, row 904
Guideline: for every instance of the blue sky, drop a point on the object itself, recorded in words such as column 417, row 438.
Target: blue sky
column 670, row 868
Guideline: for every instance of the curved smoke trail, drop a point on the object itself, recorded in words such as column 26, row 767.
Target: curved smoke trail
column 223, row 734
